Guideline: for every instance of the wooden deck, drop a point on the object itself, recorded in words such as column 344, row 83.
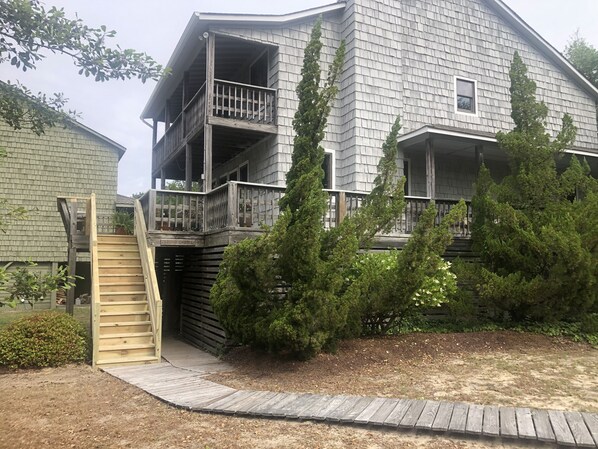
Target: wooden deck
column 186, row 387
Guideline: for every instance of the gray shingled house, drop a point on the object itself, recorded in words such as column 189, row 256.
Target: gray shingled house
column 224, row 119
column 66, row 161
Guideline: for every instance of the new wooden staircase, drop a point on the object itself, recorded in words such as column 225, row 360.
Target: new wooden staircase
column 126, row 308
column 126, row 335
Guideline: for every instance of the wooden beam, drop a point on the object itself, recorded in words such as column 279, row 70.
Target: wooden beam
column 53, row 294
column 430, row 170
column 479, row 155
column 188, row 167
column 167, row 115
column 154, row 133
column 72, row 255
column 207, row 147
column 162, row 179
column 243, row 124
column 184, row 101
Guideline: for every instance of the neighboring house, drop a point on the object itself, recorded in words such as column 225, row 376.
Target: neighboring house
column 71, row 161
column 226, row 112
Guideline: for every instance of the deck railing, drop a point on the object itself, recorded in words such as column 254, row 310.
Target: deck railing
column 244, row 102
column 231, row 100
column 241, row 205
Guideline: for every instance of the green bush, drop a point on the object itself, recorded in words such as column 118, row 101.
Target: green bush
column 41, row 340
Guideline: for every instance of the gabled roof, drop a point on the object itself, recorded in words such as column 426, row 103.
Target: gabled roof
column 542, row 44
column 199, row 23
column 187, row 47
column 71, row 121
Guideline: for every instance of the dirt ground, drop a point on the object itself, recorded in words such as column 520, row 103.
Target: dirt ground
column 504, row 368
column 77, row 407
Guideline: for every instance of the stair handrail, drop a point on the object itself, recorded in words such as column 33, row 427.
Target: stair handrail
column 95, row 278
column 149, row 277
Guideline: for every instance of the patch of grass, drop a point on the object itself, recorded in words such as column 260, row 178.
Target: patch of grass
column 8, row 315
column 578, row 332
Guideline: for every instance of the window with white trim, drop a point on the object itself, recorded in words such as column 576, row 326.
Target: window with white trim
column 466, row 96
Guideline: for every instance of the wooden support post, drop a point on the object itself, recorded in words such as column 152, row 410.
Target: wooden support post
column 151, row 222
column 430, row 170
column 72, row 255
column 341, row 208
column 162, row 179
column 153, row 186
column 207, row 147
column 53, row 294
column 188, row 167
column 233, row 205
column 154, row 133
column 184, row 102
column 479, row 155
column 167, row 116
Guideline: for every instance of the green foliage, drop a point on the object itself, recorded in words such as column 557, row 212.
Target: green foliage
column 125, row 221
column 179, row 186
column 25, row 285
column 40, row 340
column 584, row 57
column 29, row 30
column 395, row 286
column 280, row 291
column 536, row 231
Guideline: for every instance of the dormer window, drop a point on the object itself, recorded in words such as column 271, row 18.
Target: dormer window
column 466, row 96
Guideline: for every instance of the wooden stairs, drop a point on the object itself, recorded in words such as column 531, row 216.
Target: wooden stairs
column 126, row 334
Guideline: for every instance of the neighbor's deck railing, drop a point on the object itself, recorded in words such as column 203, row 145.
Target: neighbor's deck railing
column 240, row 205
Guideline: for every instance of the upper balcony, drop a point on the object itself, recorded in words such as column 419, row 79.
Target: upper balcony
column 221, row 103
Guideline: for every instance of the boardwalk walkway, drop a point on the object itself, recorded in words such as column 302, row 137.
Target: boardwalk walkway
column 180, row 382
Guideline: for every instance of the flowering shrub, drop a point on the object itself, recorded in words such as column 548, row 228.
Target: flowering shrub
column 437, row 288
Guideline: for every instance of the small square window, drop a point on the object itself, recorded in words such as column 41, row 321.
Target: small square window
column 466, row 96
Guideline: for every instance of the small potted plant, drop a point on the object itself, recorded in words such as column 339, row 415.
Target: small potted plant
column 123, row 223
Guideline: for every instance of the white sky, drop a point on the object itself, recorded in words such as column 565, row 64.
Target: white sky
column 153, row 26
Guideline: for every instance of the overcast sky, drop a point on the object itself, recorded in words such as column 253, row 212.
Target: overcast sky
column 153, row 26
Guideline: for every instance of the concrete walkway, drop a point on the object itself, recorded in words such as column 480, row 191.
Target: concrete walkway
column 180, row 382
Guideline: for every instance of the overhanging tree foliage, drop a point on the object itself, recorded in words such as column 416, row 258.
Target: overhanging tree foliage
column 28, row 30
column 536, row 231
column 584, row 57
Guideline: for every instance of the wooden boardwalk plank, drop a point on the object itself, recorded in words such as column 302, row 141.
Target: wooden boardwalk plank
column 491, row 425
column 508, row 422
column 355, row 411
column 580, row 432
column 426, row 419
column 366, row 415
column 591, row 420
column 475, row 420
column 259, row 402
column 525, row 424
column 320, row 403
column 543, row 427
column 395, row 417
column 458, row 421
column 284, row 407
column 336, row 409
column 383, row 412
column 443, row 417
column 306, row 401
column 263, row 408
column 561, row 429
column 221, row 404
column 231, row 407
column 413, row 413
column 241, row 408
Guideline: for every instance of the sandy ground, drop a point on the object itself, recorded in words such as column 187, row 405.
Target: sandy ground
column 77, row 407
column 504, row 368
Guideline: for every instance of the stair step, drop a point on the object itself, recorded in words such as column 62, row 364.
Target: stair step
column 106, row 238
column 109, row 246
column 123, row 306
column 124, row 316
column 128, row 347
column 122, row 296
column 124, row 327
column 123, row 361
column 128, row 257
column 126, row 338
column 120, row 270
column 111, row 287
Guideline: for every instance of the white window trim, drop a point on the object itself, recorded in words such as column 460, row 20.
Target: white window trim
column 332, row 167
column 475, row 92
column 237, row 170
